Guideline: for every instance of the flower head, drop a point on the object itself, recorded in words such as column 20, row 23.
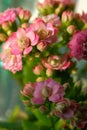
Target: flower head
column 78, row 45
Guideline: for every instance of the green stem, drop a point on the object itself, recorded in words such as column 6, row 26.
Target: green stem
column 10, row 126
column 53, row 124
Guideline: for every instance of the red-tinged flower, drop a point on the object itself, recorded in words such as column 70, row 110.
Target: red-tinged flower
column 55, row 62
column 65, row 108
column 80, row 119
column 78, row 45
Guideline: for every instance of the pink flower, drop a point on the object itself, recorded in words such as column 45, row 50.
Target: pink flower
column 78, row 45
column 19, row 42
column 45, row 90
column 56, row 90
column 46, row 31
column 55, row 62
column 8, row 15
column 11, row 62
column 53, row 19
column 34, row 38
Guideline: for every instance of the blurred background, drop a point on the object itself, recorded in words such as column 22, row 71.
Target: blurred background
column 9, row 88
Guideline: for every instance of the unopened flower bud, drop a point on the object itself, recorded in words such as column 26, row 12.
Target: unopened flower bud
column 78, row 83
column 43, row 109
column 2, row 37
column 71, row 29
column 39, row 79
column 84, row 90
column 67, row 16
column 37, row 69
column 9, row 32
column 24, row 14
column 41, row 46
column 6, row 26
column 66, row 86
column 28, row 90
column 49, row 72
column 24, row 25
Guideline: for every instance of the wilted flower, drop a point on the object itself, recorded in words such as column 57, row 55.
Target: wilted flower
column 80, row 119
column 66, row 108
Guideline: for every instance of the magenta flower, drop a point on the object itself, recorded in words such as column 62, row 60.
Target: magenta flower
column 78, row 45
column 55, row 62
column 56, row 90
column 45, row 90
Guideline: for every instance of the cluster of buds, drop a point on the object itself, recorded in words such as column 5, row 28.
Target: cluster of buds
column 55, row 6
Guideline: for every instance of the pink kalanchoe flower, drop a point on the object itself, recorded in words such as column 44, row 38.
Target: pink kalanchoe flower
column 55, row 62
column 19, row 42
column 46, row 31
column 45, row 90
column 8, row 15
column 34, row 38
column 78, row 45
column 56, row 90
column 52, row 18
column 11, row 62
column 38, row 97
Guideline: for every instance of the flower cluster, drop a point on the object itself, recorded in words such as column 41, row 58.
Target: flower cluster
column 43, row 55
